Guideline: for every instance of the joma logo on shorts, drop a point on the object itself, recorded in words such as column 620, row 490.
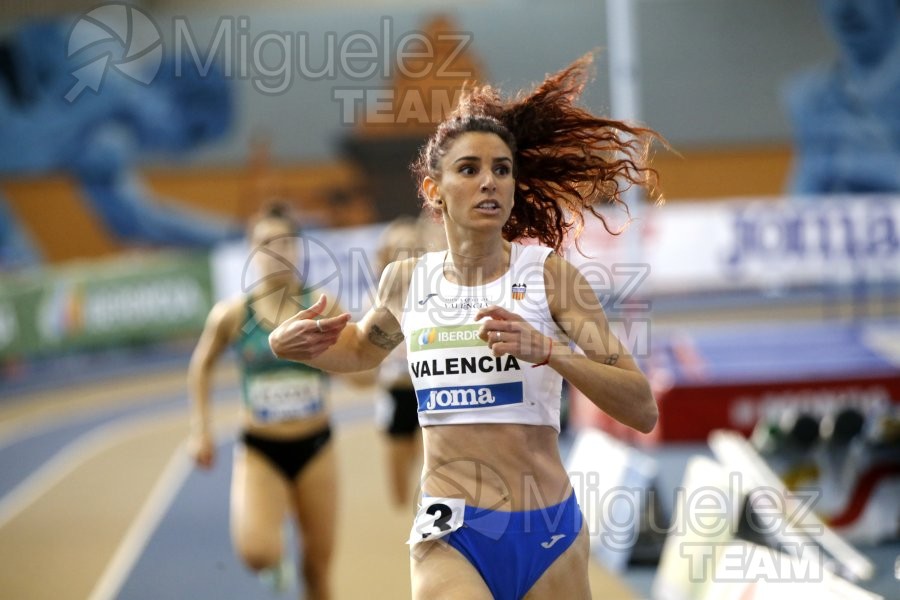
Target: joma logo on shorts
column 459, row 397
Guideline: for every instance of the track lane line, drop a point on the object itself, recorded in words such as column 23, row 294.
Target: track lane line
column 145, row 523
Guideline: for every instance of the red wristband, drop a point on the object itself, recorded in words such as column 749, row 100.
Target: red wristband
column 546, row 361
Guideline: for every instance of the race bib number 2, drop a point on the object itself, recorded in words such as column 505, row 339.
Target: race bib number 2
column 436, row 518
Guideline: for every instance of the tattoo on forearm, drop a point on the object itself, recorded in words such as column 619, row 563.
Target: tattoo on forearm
column 383, row 340
column 611, row 359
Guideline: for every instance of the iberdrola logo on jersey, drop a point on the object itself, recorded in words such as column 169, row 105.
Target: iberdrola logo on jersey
column 428, row 336
column 437, row 338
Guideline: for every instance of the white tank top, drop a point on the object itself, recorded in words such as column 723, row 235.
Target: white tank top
column 456, row 377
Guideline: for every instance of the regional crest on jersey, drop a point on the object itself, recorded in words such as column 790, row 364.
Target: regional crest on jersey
column 518, row 291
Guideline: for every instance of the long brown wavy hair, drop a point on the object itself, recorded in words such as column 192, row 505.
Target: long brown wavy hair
column 567, row 161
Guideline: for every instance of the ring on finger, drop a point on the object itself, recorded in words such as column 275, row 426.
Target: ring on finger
column 496, row 336
column 319, row 325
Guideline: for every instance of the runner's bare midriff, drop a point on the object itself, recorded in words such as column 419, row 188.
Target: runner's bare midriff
column 285, row 429
column 497, row 466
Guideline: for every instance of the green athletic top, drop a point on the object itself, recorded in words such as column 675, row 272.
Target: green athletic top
column 275, row 389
